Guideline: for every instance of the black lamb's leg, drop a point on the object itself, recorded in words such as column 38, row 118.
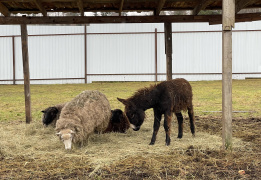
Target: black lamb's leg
column 167, row 125
column 191, row 120
column 157, row 119
column 180, row 122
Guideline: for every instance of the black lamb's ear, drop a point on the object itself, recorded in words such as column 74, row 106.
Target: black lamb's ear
column 123, row 101
column 43, row 111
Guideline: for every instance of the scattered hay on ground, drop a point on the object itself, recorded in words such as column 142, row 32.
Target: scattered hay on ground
column 32, row 151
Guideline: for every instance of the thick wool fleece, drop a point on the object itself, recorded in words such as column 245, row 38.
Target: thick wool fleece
column 88, row 112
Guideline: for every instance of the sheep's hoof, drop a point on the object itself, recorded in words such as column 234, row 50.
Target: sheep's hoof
column 193, row 135
column 179, row 136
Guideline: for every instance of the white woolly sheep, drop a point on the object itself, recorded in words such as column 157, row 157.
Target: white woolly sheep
column 88, row 112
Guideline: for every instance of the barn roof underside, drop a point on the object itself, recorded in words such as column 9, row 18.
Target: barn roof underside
column 11, row 9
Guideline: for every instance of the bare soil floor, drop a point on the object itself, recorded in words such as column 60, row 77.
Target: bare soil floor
column 34, row 152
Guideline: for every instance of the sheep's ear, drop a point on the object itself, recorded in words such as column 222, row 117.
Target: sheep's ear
column 43, row 111
column 58, row 134
column 123, row 101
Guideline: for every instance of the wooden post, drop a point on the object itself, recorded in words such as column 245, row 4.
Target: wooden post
column 228, row 22
column 85, row 54
column 168, row 48
column 13, row 44
column 156, row 55
column 27, row 94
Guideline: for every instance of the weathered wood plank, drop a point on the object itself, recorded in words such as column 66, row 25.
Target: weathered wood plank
column 80, row 6
column 121, row 7
column 4, row 10
column 228, row 14
column 40, row 7
column 201, row 6
column 27, row 94
column 160, row 6
column 168, row 49
column 125, row 19
column 228, row 20
column 106, row 19
column 244, row 3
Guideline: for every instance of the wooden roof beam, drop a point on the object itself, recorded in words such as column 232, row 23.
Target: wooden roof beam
column 244, row 3
column 160, row 6
column 40, row 7
column 124, row 19
column 80, row 6
column 201, row 6
column 4, row 10
column 121, row 7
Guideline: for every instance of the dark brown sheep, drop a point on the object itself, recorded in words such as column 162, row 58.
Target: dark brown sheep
column 166, row 97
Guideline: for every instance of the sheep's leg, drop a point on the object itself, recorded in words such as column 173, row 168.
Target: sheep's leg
column 180, row 122
column 157, row 119
column 191, row 120
column 167, row 125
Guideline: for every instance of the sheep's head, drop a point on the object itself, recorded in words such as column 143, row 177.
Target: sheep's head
column 49, row 114
column 66, row 136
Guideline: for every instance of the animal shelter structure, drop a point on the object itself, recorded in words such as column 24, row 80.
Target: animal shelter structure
column 232, row 11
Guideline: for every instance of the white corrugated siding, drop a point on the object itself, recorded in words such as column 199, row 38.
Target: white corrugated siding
column 130, row 50
column 120, row 54
column 6, row 60
column 52, row 57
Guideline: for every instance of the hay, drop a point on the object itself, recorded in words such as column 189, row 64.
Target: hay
column 33, row 151
column 35, row 140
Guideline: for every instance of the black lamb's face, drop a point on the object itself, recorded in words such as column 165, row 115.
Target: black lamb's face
column 49, row 115
column 135, row 116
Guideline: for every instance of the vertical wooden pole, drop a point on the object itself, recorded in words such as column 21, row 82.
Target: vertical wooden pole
column 156, row 55
column 27, row 93
column 13, row 44
column 228, row 22
column 85, row 54
column 168, row 48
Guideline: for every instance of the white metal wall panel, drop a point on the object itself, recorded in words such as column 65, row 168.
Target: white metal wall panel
column 52, row 29
column 121, row 54
column 7, row 30
column 246, row 53
column 63, row 56
column 53, row 57
column 206, row 27
column 6, row 60
column 123, row 28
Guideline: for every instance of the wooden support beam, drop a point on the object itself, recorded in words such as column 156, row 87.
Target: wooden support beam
column 121, row 7
column 125, row 19
column 228, row 21
column 156, row 55
column 106, row 19
column 244, row 3
column 80, row 6
column 85, row 54
column 160, row 6
column 201, row 6
column 168, row 48
column 13, row 49
column 40, row 7
column 27, row 94
column 4, row 10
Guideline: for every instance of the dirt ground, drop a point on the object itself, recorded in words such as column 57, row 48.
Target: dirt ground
column 198, row 160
